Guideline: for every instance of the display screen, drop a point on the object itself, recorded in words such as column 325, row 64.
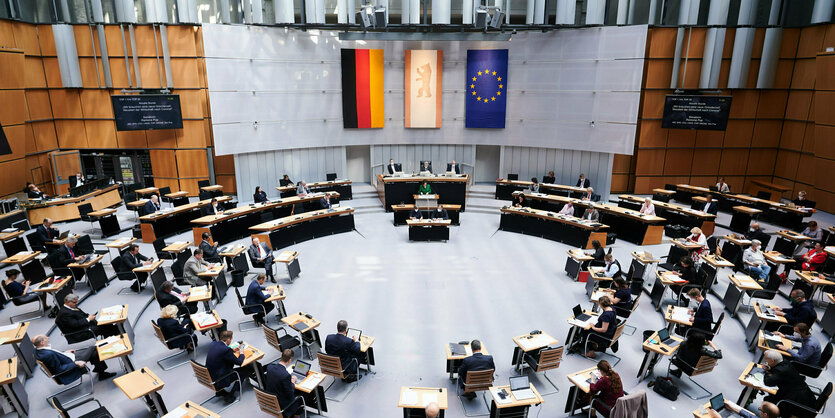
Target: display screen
column 147, row 111
column 696, row 112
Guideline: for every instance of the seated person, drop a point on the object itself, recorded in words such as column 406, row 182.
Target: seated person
column 391, row 167
column 325, row 202
column 534, row 186
column 599, row 335
column 648, row 208
column 567, row 209
column 767, row 410
column 425, row 188
column 69, row 365
column 453, row 167
column 46, row 232
column 588, row 194
column 259, row 196
column 813, row 259
column 812, row 231
column 33, row 192
column 255, row 296
column 168, row 294
column 612, row 266
column 687, row 356
column 426, row 167
column 549, row 178
column 67, row 255
column 754, row 261
column 347, row 349
column 598, row 253
column 591, row 214
column 756, row 232
column 209, row 249
column 801, row 201
column 213, row 208
column 76, row 325
column 607, row 388
column 710, row 206
column 583, row 182
column 20, row 290
column 432, row 410
column 172, row 330
column 702, row 316
column 622, row 297
column 131, row 259
column 415, row 213
column 302, row 190
column 802, row 310
column 281, row 383
column 721, row 186
column 697, row 237
column 519, row 201
column 790, row 386
column 151, row 206
column 285, row 181
column 685, row 269
column 262, row 253
column 810, row 349
column 440, row 213
column 221, row 360
column 193, row 266
column 474, row 363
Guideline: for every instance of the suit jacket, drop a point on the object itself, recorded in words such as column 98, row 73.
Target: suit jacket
column 456, row 168
column 429, row 169
column 711, row 207
column 209, row 250
column 71, row 321
column 391, row 168
column 191, row 268
column 171, row 328
column 65, row 256
column 209, row 210
column 415, row 213
column 758, row 235
column 790, row 384
column 595, row 215
column 326, row 204
column 703, row 317
column 259, row 197
column 130, row 262
column 279, row 382
column 150, row 207
column 34, row 195
column 549, row 179
column 254, row 254
column 440, row 215
column 47, row 235
column 57, row 362
column 475, row 362
column 255, row 296
column 343, row 347
column 220, row 360
column 164, row 299
column 584, row 183
column 283, row 182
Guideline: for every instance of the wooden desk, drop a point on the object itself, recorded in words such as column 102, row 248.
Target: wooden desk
column 204, row 321
column 716, row 261
column 787, row 242
column 18, row 336
column 579, row 381
column 739, row 286
column 191, row 409
column 277, row 296
column 763, row 346
column 144, row 384
column 527, row 343
column 310, row 388
column 212, row 189
column 505, row 188
column 672, row 321
column 576, row 326
column 201, row 294
column 22, row 257
column 576, row 259
column 641, row 263
column 177, row 198
column 13, row 388
column 454, row 361
column 827, row 321
column 365, row 347
column 815, row 280
column 13, row 242
column 108, row 223
column 596, row 275
column 343, row 187
column 653, row 350
column 177, row 247
column 170, row 221
column 659, row 288
column 423, row 397
column 120, row 244
column 742, row 217
column 116, row 347
column 30, row 268
column 428, row 229
column 673, row 213
column 291, row 260
column 510, row 405
column 148, row 191
column 395, row 190
column 757, row 185
column 306, row 226
column 66, row 208
column 758, row 322
column 87, row 264
column 751, row 386
column 310, row 334
column 251, row 356
column 567, row 229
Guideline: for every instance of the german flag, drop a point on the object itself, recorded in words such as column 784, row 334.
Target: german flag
column 362, row 88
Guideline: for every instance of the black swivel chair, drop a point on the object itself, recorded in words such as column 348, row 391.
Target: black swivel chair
column 203, row 183
column 164, row 191
column 35, row 242
column 84, row 213
column 159, row 244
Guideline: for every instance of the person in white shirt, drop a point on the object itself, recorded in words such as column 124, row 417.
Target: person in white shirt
column 567, row 209
column 721, row 186
column 302, row 190
column 754, row 261
column 612, row 266
column 589, row 194
column 648, row 208
column 534, row 186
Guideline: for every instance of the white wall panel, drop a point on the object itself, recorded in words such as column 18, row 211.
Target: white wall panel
column 266, row 168
column 290, row 83
column 566, row 164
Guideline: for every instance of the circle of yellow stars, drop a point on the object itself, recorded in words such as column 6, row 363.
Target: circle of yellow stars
column 486, row 73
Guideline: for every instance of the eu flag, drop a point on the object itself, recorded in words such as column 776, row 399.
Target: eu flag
column 486, row 88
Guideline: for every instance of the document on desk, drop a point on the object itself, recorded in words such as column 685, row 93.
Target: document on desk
column 680, row 314
column 9, row 327
column 311, row 382
column 108, row 317
column 177, row 412
column 205, row 319
column 428, row 398
column 178, row 243
column 583, row 324
column 113, row 349
column 198, row 291
column 115, row 309
column 410, row 397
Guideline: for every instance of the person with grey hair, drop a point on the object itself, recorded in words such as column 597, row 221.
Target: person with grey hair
column 168, row 294
column 77, row 325
column 302, row 190
column 68, row 255
column 194, row 266
column 791, row 386
column 347, row 349
column 432, row 410
column 754, row 261
column 67, row 366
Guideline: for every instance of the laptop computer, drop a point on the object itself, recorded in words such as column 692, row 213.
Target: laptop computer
column 64, row 235
column 353, row 332
column 301, row 369
column 520, row 387
column 717, row 403
column 457, row 349
column 664, row 337
column 579, row 315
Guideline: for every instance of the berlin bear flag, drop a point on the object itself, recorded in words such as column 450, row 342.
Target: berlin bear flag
column 424, row 88
column 486, row 88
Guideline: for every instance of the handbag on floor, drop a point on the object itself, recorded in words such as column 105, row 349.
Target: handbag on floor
column 665, row 387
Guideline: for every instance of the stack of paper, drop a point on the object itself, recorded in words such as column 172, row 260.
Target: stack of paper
column 410, row 397
column 681, row 314
column 310, row 383
column 205, row 319
column 8, row 327
column 198, row 291
column 115, row 309
column 498, row 399
column 772, row 337
column 113, row 349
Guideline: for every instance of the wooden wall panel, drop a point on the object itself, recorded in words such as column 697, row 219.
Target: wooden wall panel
column 783, row 75
column 16, row 135
column 119, row 73
column 14, row 176
column 798, row 104
column 7, row 38
column 824, row 105
column 772, row 104
column 13, row 108
column 681, row 138
column 766, row 133
column 761, row 162
column 161, row 182
column 803, row 76
column 806, row 169
column 658, row 74
column 706, row 162
column 26, row 36
column 825, row 71
column 786, row 165
column 190, row 186
column 824, row 148
column 228, row 183
column 709, row 139
column 147, row 41
column 113, row 41
column 662, row 42
column 809, row 139
column 744, row 104
column 163, row 138
column 652, row 135
column 788, row 47
column 92, row 76
column 96, row 104
column 650, row 162
column 811, row 41
column 53, row 72
column 738, row 133
column 734, row 161
column 33, row 74
column 193, row 134
column 151, row 70
column 182, row 41
column 84, row 40
column 132, row 139
column 792, row 135
column 677, row 162
column 66, row 103
column 71, row 134
column 11, row 68
column 192, row 104
column 192, row 163
column 45, row 137
column 164, row 163
column 185, row 73
column 101, row 133
column 46, row 41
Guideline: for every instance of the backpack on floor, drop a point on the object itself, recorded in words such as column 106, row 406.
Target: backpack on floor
column 665, row 387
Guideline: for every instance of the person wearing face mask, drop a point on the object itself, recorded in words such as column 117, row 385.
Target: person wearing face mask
column 802, row 310
column 810, row 349
column 755, row 232
column 790, row 385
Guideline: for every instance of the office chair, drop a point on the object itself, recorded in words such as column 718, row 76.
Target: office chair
column 204, row 196
column 126, row 276
column 244, row 308
column 475, row 381
column 64, row 412
column 75, row 383
column 35, row 242
column 330, row 176
column 764, row 195
column 27, row 316
column 167, row 344
column 332, row 366
column 704, row 365
column 280, row 342
column 820, row 402
column 164, row 191
column 269, row 404
column 84, row 213
column 547, row 359
column 201, row 373
column 159, row 244
column 203, row 183
column 610, row 341
column 814, row 370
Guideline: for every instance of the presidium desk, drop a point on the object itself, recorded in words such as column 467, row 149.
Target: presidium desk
column 400, row 190
column 233, row 223
column 551, row 225
column 166, row 222
column 289, row 230
column 630, row 225
column 343, row 187
column 66, row 208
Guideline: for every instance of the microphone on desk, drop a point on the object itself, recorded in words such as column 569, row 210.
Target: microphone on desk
column 10, row 368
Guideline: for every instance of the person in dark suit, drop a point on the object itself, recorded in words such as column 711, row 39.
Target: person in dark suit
column 46, row 232
column 474, row 363
column 391, row 167
column 550, row 178
column 325, row 202
column 221, row 360
column 285, row 181
column 415, row 213
column 262, row 253
column 790, row 385
column 172, row 330
column 702, row 317
column 519, row 201
column 426, row 167
column 168, row 294
column 583, row 182
column 209, row 250
column 440, row 213
column 711, row 206
column 453, row 168
column 281, row 383
column 588, row 194
column 801, row 201
column 347, row 349
column 213, row 208
column 755, row 232
column 70, row 365
column 802, row 310
column 131, row 259
column 33, row 192
column 695, row 346
column 73, row 322
column 255, row 296
column 152, row 205
column 259, row 195
column 67, row 255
